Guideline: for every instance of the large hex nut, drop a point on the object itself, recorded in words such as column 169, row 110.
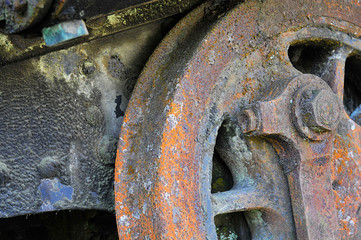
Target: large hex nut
column 323, row 111
column 316, row 110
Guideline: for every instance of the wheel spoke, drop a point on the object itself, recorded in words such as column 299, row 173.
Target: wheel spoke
column 238, row 200
column 334, row 71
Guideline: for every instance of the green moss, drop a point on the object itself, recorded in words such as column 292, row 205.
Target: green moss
column 225, row 233
column 221, row 175
column 218, row 185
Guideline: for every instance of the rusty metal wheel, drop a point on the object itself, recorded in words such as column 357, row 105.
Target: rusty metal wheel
column 261, row 91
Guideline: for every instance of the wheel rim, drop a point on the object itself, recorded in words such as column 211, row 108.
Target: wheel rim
column 189, row 88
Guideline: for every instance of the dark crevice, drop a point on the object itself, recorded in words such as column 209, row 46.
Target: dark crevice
column 221, row 175
column 2, row 24
column 311, row 57
column 232, row 226
column 118, row 112
column 352, row 88
column 60, row 225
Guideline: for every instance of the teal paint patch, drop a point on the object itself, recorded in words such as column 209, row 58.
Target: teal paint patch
column 64, row 31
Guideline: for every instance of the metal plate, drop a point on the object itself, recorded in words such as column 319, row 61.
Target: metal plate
column 60, row 116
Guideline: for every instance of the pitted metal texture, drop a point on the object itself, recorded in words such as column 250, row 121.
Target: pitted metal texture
column 60, row 117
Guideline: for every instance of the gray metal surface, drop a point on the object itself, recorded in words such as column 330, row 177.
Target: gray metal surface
column 60, row 116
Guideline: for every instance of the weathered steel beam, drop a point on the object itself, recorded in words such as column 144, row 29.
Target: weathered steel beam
column 16, row 47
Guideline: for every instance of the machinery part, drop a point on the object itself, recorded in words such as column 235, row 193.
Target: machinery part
column 17, row 47
column 295, row 173
column 60, row 118
column 308, row 169
column 248, row 121
column 22, row 14
column 66, row 10
column 315, row 110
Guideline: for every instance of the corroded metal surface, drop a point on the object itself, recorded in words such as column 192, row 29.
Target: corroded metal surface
column 307, row 163
column 60, row 117
column 22, row 14
column 17, row 47
column 231, row 87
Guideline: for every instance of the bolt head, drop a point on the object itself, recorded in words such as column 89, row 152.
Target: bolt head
column 88, row 67
column 322, row 111
column 248, row 121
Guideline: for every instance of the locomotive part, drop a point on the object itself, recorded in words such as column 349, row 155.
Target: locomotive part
column 19, row 15
column 261, row 90
column 243, row 124
column 22, row 14
column 29, row 43
column 60, row 117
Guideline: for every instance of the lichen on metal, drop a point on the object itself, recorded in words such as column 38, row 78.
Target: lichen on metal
column 100, row 26
column 231, row 88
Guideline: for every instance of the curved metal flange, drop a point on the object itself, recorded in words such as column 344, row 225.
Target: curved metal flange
column 191, row 83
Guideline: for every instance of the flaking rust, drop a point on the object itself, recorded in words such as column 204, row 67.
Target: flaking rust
column 292, row 150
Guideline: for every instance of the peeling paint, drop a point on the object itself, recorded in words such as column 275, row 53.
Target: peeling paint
column 52, row 192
